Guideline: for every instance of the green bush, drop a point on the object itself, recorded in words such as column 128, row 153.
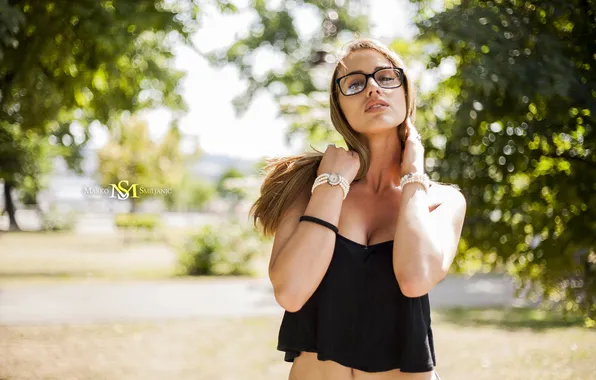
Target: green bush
column 137, row 221
column 201, row 192
column 230, row 192
column 225, row 249
column 55, row 220
column 190, row 194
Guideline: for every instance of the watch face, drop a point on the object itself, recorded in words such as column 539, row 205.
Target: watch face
column 333, row 179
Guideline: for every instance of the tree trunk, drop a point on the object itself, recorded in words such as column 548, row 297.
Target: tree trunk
column 133, row 205
column 9, row 206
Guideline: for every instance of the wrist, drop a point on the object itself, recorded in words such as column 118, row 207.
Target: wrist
column 415, row 169
column 334, row 180
column 415, row 179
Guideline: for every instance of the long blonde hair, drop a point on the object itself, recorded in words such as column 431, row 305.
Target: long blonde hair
column 287, row 177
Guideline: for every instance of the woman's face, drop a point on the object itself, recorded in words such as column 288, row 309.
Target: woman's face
column 375, row 108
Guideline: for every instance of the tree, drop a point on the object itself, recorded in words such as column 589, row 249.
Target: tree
column 227, row 189
column 132, row 156
column 191, row 194
column 304, row 59
column 514, row 127
column 83, row 62
column 24, row 160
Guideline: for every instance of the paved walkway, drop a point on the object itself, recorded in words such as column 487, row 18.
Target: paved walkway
column 97, row 302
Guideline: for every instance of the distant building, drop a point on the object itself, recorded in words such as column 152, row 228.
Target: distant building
column 212, row 166
column 66, row 189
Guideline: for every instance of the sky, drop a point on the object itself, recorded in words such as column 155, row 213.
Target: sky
column 209, row 91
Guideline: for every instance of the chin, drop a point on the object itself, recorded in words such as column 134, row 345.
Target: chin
column 371, row 129
column 383, row 122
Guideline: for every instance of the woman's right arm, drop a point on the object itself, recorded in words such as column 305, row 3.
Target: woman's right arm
column 302, row 251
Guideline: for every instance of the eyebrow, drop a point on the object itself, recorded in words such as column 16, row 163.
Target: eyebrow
column 376, row 68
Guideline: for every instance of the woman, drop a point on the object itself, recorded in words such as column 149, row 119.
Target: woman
column 361, row 236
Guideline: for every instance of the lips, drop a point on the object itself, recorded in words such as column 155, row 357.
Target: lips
column 376, row 103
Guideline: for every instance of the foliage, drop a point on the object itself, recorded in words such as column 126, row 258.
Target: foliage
column 299, row 81
column 92, row 57
column 511, row 122
column 63, row 67
column 148, row 222
column 514, row 127
column 225, row 249
column 201, row 192
column 131, row 155
column 190, row 194
column 25, row 158
column 55, row 220
column 526, row 317
column 226, row 189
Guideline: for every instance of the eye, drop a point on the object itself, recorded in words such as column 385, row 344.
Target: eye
column 355, row 83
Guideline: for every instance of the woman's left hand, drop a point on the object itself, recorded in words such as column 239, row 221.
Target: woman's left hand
column 413, row 155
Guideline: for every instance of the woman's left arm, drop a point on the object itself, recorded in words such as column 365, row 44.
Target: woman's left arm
column 428, row 230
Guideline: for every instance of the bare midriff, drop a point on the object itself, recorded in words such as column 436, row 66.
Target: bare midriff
column 308, row 367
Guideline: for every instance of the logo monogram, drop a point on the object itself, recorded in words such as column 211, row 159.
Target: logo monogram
column 121, row 192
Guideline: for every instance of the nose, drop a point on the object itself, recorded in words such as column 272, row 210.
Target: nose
column 374, row 87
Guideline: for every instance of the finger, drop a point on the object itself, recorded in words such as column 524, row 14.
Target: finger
column 415, row 136
column 411, row 127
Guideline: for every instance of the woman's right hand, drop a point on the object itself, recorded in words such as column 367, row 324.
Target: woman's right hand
column 339, row 160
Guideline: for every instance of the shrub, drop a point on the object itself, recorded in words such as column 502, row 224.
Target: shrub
column 191, row 194
column 225, row 249
column 55, row 220
column 137, row 221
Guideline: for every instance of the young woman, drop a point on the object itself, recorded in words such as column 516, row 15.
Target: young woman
column 361, row 235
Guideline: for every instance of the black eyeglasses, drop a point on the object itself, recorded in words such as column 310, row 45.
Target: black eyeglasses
column 355, row 83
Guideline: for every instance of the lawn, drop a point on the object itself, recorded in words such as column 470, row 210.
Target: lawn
column 38, row 255
column 492, row 344
column 41, row 257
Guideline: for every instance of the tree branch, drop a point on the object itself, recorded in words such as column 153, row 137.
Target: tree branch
column 572, row 158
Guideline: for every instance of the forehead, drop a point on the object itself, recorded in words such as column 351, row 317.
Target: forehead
column 365, row 60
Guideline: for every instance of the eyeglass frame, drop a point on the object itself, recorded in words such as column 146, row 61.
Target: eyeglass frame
column 372, row 75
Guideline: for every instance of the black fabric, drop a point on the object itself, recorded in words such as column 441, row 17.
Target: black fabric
column 319, row 221
column 358, row 316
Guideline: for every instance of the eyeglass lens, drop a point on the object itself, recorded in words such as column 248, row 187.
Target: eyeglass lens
column 355, row 83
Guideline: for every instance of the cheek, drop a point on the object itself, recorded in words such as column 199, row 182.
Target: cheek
column 398, row 102
column 349, row 110
column 398, row 99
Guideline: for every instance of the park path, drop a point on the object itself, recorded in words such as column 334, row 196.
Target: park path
column 95, row 301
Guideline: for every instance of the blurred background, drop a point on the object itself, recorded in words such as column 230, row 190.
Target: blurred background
column 132, row 138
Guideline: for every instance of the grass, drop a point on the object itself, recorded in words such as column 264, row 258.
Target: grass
column 29, row 255
column 510, row 318
column 42, row 256
column 475, row 344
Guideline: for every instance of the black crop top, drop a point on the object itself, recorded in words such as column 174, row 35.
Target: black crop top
column 358, row 316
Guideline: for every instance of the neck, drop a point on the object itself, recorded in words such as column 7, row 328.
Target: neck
column 384, row 172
